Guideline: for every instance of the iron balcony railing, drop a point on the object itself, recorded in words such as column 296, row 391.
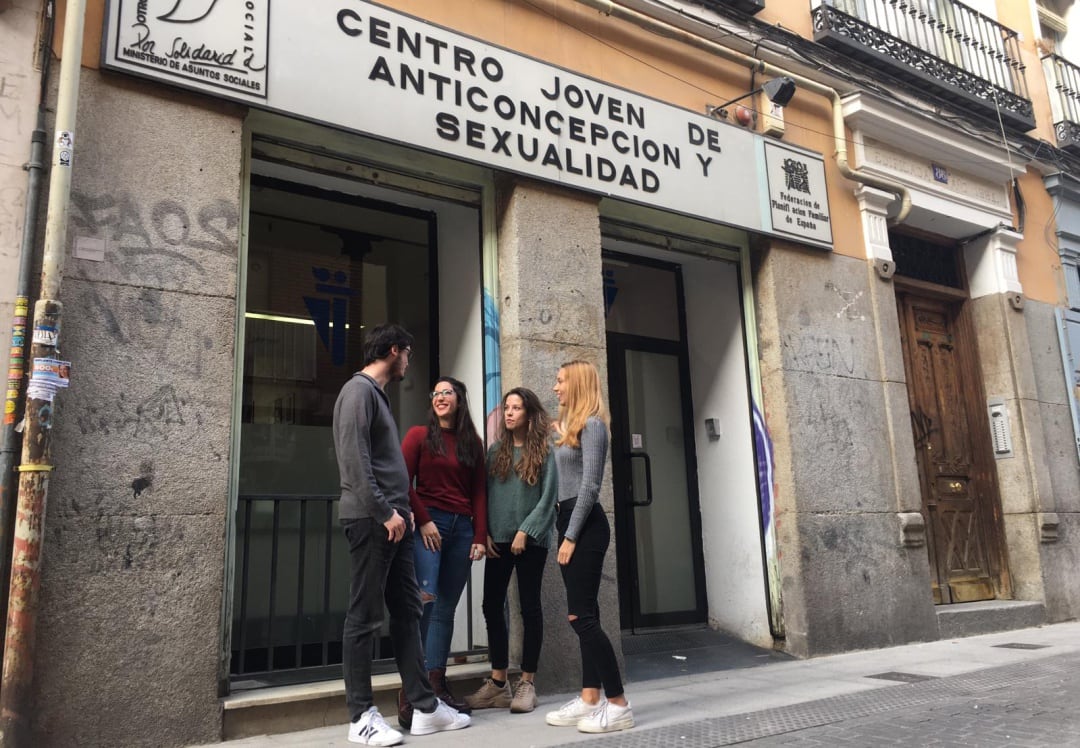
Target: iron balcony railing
column 1064, row 80
column 942, row 46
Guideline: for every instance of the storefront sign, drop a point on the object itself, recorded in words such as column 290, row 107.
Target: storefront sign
column 797, row 197
column 365, row 68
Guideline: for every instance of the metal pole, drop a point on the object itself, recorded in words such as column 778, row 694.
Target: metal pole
column 9, row 441
column 18, row 668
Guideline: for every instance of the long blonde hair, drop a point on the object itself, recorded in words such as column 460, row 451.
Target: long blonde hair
column 584, row 399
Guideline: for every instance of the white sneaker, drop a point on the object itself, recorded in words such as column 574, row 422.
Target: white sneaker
column 608, row 718
column 371, row 729
column 444, row 717
column 572, row 712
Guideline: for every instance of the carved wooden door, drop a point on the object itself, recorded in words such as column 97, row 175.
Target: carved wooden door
column 959, row 492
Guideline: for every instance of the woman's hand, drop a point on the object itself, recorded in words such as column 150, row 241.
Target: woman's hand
column 518, row 546
column 566, row 551
column 477, row 551
column 431, row 537
column 491, row 550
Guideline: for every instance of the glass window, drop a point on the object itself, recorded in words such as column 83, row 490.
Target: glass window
column 322, row 268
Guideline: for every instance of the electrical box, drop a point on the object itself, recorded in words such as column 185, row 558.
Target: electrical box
column 1000, row 430
column 712, row 428
column 771, row 116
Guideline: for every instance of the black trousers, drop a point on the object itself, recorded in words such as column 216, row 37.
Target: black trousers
column 530, row 575
column 599, row 666
column 382, row 573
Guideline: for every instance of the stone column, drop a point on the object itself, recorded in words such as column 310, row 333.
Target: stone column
column 551, row 310
column 1005, row 356
column 835, row 405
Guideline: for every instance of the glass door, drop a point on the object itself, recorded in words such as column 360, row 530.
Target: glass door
column 657, row 515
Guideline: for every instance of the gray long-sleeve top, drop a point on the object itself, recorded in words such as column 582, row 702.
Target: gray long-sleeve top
column 374, row 480
column 580, row 471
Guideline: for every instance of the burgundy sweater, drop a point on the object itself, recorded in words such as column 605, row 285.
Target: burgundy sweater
column 443, row 482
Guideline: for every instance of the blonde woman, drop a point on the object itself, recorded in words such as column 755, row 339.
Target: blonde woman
column 581, row 445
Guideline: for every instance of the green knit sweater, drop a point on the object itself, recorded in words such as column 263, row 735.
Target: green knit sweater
column 514, row 505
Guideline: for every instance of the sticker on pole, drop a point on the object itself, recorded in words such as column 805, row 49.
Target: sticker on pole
column 45, row 335
column 65, row 146
column 46, row 377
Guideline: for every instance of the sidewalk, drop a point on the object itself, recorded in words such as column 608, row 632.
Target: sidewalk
column 778, row 698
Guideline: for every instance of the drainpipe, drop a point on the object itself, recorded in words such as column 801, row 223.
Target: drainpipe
column 9, row 439
column 662, row 28
column 16, row 706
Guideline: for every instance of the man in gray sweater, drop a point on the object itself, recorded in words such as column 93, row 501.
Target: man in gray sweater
column 378, row 525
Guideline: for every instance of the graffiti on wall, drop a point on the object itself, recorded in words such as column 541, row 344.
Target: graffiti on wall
column 136, row 233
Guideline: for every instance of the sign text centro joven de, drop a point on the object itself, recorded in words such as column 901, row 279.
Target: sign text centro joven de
column 372, row 70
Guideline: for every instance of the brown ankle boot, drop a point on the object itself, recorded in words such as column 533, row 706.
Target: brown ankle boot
column 404, row 710
column 437, row 678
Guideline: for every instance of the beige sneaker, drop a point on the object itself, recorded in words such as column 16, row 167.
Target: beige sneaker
column 524, row 697
column 490, row 696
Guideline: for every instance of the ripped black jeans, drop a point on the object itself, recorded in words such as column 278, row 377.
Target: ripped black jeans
column 599, row 666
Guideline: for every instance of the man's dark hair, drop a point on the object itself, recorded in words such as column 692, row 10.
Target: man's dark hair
column 379, row 340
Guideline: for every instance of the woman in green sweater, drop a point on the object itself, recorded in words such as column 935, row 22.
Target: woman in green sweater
column 521, row 493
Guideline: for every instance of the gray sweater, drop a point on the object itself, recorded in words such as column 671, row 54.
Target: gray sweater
column 374, row 481
column 580, row 471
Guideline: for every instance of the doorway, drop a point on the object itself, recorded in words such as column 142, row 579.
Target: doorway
column 960, row 501
column 657, row 512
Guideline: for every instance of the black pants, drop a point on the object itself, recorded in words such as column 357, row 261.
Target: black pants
column 599, row 666
column 382, row 573
column 530, row 575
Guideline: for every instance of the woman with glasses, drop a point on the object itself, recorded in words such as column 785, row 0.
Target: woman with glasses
column 581, row 447
column 522, row 488
column 448, row 498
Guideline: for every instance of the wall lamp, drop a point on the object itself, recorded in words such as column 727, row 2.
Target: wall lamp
column 779, row 90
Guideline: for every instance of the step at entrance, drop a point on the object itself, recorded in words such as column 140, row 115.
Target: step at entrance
column 988, row 616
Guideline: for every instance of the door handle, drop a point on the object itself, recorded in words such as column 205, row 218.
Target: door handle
column 648, row 480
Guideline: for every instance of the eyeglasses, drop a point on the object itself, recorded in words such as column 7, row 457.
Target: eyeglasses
column 444, row 393
column 407, row 350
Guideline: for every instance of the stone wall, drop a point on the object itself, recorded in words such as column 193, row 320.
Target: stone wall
column 836, row 406
column 1059, row 548
column 550, row 286
column 129, row 625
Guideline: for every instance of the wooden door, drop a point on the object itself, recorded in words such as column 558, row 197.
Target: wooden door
column 960, row 503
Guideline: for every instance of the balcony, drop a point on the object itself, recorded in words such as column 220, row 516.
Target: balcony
column 940, row 46
column 1063, row 79
column 746, row 6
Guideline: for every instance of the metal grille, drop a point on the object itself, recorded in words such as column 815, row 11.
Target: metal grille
column 921, row 260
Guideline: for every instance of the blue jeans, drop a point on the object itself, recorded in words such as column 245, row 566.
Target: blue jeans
column 443, row 575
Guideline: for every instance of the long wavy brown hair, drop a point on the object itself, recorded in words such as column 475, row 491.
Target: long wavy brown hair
column 584, row 399
column 535, row 450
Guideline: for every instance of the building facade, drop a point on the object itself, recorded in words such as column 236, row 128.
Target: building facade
column 835, row 331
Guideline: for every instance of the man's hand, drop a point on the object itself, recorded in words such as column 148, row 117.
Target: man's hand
column 395, row 528
column 429, row 533
column 518, row 546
